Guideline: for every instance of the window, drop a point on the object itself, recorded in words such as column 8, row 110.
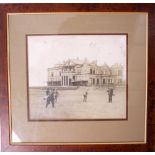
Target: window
column 67, row 80
column 97, row 81
column 91, row 71
column 109, row 80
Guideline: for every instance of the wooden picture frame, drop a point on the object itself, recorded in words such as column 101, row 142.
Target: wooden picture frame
column 12, row 8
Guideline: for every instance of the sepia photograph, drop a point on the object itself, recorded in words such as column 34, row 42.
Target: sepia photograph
column 77, row 77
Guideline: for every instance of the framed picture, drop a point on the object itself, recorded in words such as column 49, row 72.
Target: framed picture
column 76, row 78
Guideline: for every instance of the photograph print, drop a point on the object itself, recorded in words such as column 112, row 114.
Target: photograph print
column 77, row 77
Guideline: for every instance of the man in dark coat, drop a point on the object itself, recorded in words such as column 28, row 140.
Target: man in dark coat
column 50, row 99
column 110, row 94
column 85, row 96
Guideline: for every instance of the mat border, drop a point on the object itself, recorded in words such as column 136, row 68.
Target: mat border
column 72, row 143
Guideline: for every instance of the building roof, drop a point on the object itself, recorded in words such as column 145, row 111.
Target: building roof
column 79, row 62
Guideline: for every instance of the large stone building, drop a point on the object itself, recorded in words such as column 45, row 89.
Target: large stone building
column 75, row 72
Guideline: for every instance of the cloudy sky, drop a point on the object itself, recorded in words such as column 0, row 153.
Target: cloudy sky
column 46, row 51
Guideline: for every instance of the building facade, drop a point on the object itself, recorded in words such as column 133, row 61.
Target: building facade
column 76, row 72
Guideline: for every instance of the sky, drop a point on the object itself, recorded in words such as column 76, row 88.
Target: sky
column 45, row 51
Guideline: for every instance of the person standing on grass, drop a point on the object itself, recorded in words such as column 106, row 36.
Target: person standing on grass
column 50, row 99
column 85, row 96
column 110, row 94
